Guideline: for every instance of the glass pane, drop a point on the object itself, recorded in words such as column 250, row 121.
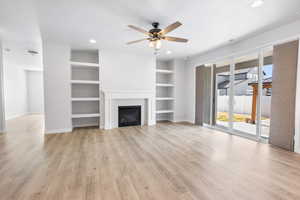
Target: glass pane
column 266, row 97
column 222, row 85
column 245, row 94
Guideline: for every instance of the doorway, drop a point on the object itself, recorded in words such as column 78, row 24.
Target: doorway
column 23, row 88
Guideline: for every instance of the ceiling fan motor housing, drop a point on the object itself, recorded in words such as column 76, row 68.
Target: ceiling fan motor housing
column 155, row 29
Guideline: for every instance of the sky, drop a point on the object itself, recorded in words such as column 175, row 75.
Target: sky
column 268, row 69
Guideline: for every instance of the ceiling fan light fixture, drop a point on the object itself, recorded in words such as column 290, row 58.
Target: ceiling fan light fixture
column 156, row 44
column 152, row 44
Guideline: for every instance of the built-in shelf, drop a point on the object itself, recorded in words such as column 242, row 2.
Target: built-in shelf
column 164, row 85
column 164, row 71
column 164, row 111
column 84, row 64
column 164, row 98
column 85, row 125
column 84, row 82
column 86, row 99
column 74, row 116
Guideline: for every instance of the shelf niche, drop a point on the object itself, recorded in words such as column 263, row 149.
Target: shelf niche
column 165, row 91
column 85, row 73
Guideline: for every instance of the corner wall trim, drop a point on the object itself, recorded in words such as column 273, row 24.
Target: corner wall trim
column 55, row 131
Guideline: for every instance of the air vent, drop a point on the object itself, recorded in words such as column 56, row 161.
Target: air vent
column 32, row 52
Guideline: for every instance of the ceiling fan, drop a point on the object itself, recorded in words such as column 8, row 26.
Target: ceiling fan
column 155, row 35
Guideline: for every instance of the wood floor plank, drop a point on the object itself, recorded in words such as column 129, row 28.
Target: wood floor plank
column 173, row 161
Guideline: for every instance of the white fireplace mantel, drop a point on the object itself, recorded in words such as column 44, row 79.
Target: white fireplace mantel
column 109, row 96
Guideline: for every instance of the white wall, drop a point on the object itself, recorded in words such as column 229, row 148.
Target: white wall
column 35, row 92
column 127, row 71
column 240, row 48
column 180, row 90
column 2, row 118
column 15, row 84
column 57, row 87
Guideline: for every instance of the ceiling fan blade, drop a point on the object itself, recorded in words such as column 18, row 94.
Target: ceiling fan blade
column 136, row 41
column 175, row 39
column 170, row 28
column 139, row 29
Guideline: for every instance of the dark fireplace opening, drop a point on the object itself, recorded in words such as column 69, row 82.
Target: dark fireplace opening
column 129, row 116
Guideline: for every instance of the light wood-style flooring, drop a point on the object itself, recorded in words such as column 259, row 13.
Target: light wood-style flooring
column 164, row 162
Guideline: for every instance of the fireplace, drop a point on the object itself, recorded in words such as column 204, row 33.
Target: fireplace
column 129, row 115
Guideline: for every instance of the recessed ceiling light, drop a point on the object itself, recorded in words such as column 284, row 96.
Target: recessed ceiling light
column 92, row 41
column 257, row 3
column 168, row 52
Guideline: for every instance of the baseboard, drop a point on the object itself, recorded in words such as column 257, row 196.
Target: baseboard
column 35, row 113
column 297, row 150
column 184, row 122
column 16, row 116
column 55, row 131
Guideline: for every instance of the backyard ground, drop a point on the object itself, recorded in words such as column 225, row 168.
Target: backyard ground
column 240, row 124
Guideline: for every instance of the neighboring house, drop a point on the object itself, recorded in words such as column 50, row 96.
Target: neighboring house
column 241, row 83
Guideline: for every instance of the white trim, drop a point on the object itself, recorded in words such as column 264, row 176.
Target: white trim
column 164, row 85
column 211, row 95
column 85, row 125
column 84, row 64
column 231, row 92
column 84, row 82
column 86, row 99
column 34, row 69
column 16, row 116
column 164, row 71
column 91, row 115
column 55, row 131
column 297, row 107
column 2, row 101
column 164, row 111
column 181, row 120
column 259, row 93
column 165, row 98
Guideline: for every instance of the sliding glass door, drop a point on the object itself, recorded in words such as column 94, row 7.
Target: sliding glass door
column 243, row 91
column 222, row 91
column 245, row 87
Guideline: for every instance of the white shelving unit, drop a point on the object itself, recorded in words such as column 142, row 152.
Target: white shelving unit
column 78, row 116
column 165, row 98
column 165, row 84
column 164, row 111
column 84, row 64
column 84, row 82
column 164, row 71
column 85, row 73
column 86, row 99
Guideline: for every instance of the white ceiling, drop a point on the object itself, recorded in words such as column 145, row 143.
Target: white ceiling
column 207, row 23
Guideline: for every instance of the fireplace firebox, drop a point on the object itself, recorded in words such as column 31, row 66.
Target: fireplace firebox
column 129, row 115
